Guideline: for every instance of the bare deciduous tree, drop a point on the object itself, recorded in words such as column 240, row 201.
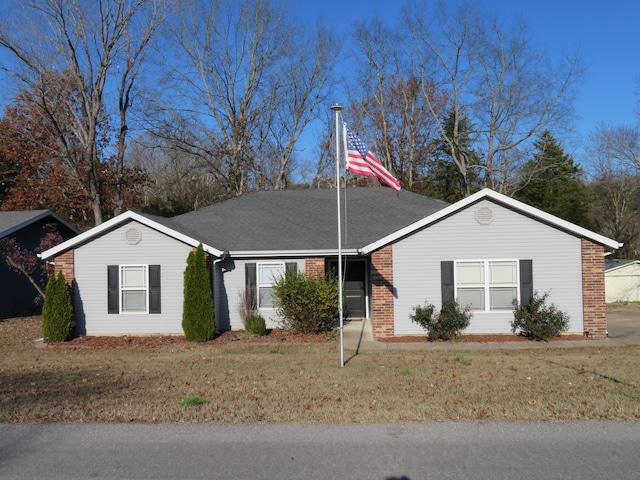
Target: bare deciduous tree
column 498, row 79
column 615, row 160
column 94, row 46
column 250, row 80
column 618, row 144
column 390, row 103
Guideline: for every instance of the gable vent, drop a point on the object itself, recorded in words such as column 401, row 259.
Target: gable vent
column 484, row 216
column 133, row 236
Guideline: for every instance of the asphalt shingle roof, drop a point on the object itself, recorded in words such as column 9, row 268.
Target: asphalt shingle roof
column 613, row 263
column 12, row 221
column 289, row 220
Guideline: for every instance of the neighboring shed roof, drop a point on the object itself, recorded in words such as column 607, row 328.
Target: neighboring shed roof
column 305, row 220
column 12, row 221
column 611, row 264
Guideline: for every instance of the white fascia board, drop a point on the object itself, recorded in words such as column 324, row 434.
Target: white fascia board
column 120, row 219
column 290, row 253
column 500, row 198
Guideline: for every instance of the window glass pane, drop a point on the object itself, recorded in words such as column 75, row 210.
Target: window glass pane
column 266, row 297
column 268, row 273
column 470, row 273
column 502, row 272
column 134, row 276
column 134, row 301
column 471, row 297
column 502, row 297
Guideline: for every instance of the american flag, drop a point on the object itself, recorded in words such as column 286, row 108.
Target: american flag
column 361, row 161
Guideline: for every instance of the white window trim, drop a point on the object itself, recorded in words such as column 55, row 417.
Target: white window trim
column 266, row 285
column 486, row 285
column 121, row 289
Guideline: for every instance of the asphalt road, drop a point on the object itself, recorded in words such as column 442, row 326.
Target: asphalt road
column 520, row 451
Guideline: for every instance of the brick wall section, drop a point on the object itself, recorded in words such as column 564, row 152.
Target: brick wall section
column 64, row 264
column 382, row 290
column 593, row 296
column 314, row 266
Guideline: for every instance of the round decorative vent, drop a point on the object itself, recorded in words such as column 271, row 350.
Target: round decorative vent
column 484, row 215
column 133, row 236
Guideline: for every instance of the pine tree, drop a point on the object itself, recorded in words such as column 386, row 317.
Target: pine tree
column 551, row 181
column 57, row 311
column 445, row 179
column 198, row 318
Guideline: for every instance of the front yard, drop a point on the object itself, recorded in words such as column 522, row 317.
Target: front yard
column 282, row 379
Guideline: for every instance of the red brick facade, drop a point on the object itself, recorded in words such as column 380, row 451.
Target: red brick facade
column 314, row 266
column 382, row 293
column 593, row 296
column 64, row 264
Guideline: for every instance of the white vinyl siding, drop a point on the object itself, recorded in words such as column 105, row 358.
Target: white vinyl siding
column 112, row 248
column 231, row 285
column 556, row 259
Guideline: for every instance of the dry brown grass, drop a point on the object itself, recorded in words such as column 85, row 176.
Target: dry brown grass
column 282, row 382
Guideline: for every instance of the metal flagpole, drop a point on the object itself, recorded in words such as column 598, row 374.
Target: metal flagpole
column 337, row 109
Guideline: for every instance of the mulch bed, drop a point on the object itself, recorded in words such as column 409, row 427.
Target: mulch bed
column 275, row 336
column 482, row 338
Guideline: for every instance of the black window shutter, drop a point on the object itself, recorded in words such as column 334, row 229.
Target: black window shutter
column 446, row 280
column 526, row 281
column 113, row 289
column 154, row 288
column 251, row 290
column 291, row 267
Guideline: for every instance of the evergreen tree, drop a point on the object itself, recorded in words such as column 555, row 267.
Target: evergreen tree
column 551, row 181
column 445, row 179
column 198, row 318
column 57, row 311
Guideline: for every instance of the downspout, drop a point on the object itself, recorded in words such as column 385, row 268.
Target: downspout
column 216, row 296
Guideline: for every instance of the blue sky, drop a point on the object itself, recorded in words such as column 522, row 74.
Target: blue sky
column 607, row 34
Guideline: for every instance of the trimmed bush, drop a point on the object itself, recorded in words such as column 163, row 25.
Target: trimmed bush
column 198, row 317
column 445, row 325
column 537, row 320
column 306, row 304
column 58, row 323
column 256, row 325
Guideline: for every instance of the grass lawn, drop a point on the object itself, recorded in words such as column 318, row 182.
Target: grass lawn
column 240, row 381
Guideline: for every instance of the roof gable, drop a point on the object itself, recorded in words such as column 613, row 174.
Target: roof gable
column 12, row 221
column 502, row 200
column 164, row 225
column 302, row 222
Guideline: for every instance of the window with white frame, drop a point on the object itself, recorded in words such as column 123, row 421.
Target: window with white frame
column 268, row 274
column 133, row 288
column 487, row 285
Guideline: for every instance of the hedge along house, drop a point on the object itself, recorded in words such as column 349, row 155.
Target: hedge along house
column 399, row 252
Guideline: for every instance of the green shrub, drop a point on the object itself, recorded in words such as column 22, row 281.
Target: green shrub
column 306, row 304
column 537, row 320
column 256, row 325
column 198, row 318
column 445, row 325
column 58, row 323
